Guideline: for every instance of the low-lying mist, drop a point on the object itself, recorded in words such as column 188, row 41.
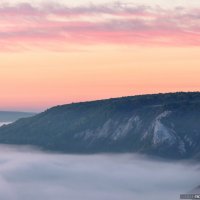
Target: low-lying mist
column 27, row 174
column 4, row 123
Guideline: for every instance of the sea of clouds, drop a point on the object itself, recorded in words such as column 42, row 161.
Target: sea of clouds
column 27, row 174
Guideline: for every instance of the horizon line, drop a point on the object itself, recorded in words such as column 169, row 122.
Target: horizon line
column 36, row 111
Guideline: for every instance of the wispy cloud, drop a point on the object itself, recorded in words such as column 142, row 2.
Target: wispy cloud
column 54, row 25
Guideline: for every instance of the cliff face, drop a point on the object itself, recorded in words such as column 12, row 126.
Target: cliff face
column 166, row 125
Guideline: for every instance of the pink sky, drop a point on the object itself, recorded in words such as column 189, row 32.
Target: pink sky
column 55, row 53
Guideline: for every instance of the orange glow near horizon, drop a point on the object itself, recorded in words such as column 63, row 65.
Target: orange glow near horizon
column 58, row 52
column 36, row 80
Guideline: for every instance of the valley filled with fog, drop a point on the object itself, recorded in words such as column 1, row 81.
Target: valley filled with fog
column 4, row 123
column 30, row 174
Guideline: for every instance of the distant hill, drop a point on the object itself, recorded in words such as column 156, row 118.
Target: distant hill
column 165, row 125
column 9, row 116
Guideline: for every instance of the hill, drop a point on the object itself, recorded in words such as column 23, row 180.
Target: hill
column 9, row 116
column 165, row 125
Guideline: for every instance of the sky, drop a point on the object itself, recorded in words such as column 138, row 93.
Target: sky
column 58, row 52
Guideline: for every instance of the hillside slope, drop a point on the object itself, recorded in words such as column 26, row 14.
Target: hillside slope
column 166, row 125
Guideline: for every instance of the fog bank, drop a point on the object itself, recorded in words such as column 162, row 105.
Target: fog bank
column 4, row 123
column 27, row 174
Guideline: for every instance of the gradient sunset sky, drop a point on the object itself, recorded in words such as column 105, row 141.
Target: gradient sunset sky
column 58, row 52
